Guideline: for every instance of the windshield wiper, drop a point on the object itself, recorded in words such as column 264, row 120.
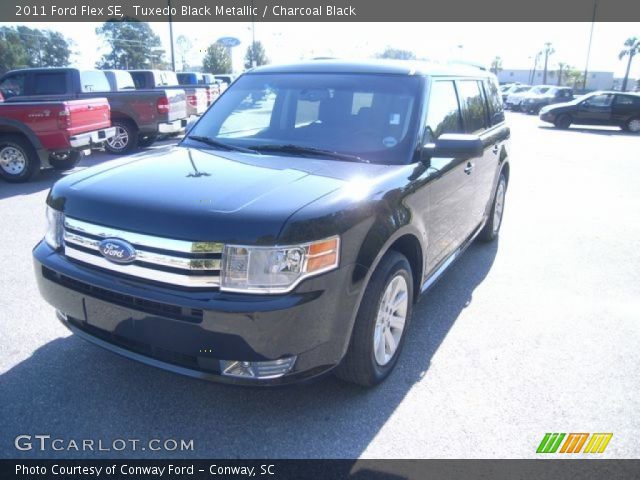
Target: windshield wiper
column 309, row 151
column 212, row 142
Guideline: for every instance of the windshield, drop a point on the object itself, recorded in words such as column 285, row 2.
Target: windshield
column 369, row 116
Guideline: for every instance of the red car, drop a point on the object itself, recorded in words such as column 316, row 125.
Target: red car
column 54, row 134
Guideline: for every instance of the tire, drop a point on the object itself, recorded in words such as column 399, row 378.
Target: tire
column 633, row 125
column 491, row 228
column 145, row 141
column 66, row 161
column 125, row 140
column 19, row 161
column 360, row 364
column 563, row 121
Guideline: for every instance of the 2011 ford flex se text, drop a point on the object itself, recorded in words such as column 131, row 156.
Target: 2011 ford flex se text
column 292, row 229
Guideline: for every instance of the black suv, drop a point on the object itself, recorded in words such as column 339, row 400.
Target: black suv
column 598, row 108
column 291, row 231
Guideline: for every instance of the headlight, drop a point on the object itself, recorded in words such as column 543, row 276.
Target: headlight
column 55, row 221
column 276, row 269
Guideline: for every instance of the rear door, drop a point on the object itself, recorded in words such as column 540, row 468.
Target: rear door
column 625, row 107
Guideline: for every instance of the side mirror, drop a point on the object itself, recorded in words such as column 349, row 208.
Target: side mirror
column 453, row 145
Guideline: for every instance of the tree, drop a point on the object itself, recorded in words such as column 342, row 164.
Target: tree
column 397, row 54
column 22, row 47
column 133, row 45
column 496, row 65
column 548, row 51
column 631, row 49
column 574, row 76
column 216, row 59
column 184, row 47
column 255, row 56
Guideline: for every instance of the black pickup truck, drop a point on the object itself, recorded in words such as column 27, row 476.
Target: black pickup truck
column 136, row 115
column 291, row 231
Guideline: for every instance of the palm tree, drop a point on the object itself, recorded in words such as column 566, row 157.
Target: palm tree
column 631, row 49
column 548, row 50
column 496, row 65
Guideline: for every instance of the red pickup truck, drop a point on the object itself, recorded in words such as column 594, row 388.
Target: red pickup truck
column 54, row 134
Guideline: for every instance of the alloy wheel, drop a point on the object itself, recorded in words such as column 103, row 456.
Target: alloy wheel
column 498, row 207
column 391, row 319
column 120, row 140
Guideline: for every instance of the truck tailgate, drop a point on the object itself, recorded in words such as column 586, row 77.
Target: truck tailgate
column 87, row 115
column 177, row 104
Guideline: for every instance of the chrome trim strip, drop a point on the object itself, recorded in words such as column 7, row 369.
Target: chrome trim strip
column 191, row 264
column 142, row 239
column 143, row 272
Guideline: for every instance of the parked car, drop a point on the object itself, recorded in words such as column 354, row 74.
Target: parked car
column 597, row 108
column 514, row 98
column 511, row 88
column 149, row 79
column 533, row 102
column 45, row 134
column 291, row 241
column 227, row 78
column 202, row 80
column 138, row 116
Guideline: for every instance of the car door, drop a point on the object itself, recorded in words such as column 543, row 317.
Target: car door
column 594, row 110
column 481, row 170
column 623, row 108
column 445, row 200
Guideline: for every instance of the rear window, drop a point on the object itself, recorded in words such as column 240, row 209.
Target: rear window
column 13, row 85
column 94, row 81
column 496, row 109
column 166, row 79
column 124, row 80
column 50, row 83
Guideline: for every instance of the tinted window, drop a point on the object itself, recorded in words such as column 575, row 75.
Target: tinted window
column 473, row 105
column 496, row 111
column 138, row 79
column 372, row 116
column 50, row 83
column 94, row 81
column 443, row 114
column 13, row 85
column 603, row 100
column 626, row 100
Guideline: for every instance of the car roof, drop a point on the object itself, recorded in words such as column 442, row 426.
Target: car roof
column 395, row 67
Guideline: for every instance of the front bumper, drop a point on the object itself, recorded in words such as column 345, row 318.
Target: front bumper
column 88, row 139
column 191, row 332
column 172, row 127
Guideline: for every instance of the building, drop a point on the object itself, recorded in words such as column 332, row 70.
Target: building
column 595, row 80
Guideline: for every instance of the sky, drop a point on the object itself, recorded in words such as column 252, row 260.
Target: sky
column 515, row 43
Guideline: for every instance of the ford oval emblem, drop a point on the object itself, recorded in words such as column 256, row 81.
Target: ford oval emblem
column 117, row 251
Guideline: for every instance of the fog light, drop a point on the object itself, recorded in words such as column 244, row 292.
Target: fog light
column 258, row 370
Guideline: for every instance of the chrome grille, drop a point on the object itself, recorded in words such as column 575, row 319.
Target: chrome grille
column 165, row 260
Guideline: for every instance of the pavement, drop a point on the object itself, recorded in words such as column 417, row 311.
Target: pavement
column 536, row 333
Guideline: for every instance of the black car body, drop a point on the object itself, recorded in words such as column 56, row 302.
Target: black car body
column 255, row 250
column 619, row 109
column 534, row 102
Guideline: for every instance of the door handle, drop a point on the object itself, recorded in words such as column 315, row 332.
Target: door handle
column 469, row 168
column 496, row 149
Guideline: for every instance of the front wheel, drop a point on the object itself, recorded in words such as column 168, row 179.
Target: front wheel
column 491, row 229
column 381, row 323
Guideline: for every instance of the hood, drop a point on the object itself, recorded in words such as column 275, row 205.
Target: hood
column 192, row 194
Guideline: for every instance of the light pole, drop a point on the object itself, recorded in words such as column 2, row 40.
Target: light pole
column 173, row 58
column 586, row 64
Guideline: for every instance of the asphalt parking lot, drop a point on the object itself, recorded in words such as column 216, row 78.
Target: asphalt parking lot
column 537, row 333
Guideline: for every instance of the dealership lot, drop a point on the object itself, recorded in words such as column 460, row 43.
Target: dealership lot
column 538, row 333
